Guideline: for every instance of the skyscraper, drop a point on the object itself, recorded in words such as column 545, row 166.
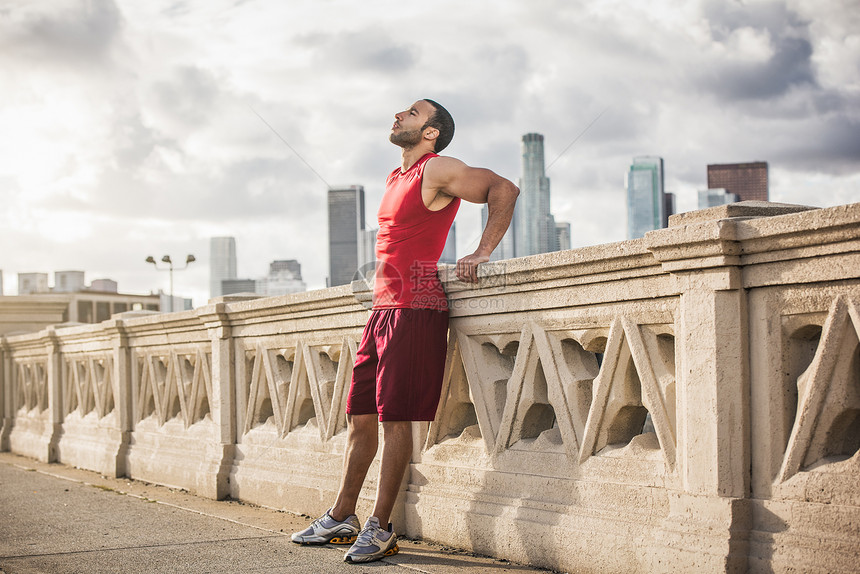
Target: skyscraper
column 285, row 276
column 668, row 207
column 535, row 226
column 646, row 200
column 222, row 263
column 747, row 180
column 346, row 238
column 562, row 230
column 713, row 197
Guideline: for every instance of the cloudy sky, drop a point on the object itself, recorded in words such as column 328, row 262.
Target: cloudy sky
column 129, row 128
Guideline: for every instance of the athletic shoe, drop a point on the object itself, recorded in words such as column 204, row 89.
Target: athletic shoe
column 373, row 543
column 327, row 530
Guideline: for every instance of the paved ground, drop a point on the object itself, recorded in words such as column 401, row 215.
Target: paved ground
column 61, row 520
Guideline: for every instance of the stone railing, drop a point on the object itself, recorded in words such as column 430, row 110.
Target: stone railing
column 686, row 402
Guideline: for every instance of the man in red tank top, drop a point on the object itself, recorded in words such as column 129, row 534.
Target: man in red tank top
column 397, row 376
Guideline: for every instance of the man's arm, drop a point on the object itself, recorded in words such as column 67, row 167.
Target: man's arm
column 449, row 176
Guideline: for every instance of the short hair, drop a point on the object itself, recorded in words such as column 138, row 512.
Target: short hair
column 442, row 121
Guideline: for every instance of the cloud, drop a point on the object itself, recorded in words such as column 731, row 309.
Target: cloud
column 188, row 96
column 65, row 32
column 367, row 50
column 789, row 66
column 828, row 144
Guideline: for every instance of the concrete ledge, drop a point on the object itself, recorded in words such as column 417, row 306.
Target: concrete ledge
column 745, row 209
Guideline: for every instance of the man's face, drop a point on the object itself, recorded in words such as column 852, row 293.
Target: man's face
column 406, row 131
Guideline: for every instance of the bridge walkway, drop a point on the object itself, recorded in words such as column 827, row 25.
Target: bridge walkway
column 61, row 520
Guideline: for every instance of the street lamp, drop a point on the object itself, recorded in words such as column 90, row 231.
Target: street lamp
column 166, row 259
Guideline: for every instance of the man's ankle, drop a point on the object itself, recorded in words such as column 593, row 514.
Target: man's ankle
column 339, row 516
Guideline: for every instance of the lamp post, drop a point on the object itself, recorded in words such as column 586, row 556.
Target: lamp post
column 166, row 259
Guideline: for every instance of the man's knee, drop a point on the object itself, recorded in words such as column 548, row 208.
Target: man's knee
column 363, row 425
column 394, row 430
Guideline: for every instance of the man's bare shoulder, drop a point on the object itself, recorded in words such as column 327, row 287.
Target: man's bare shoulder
column 443, row 168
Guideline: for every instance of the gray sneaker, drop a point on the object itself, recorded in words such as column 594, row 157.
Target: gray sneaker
column 373, row 543
column 327, row 530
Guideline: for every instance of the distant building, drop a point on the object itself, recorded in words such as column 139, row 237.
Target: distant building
column 174, row 304
column 1, row 282
column 29, row 283
column 104, row 285
column 346, row 239
column 449, row 253
column 668, row 207
column 233, row 286
column 101, row 299
column 748, row 180
column 562, row 232
column 646, row 201
column 714, row 197
column 285, row 276
column 29, row 313
column 222, row 263
column 288, row 266
column 535, row 227
column 367, row 250
column 69, row 302
column 68, row 281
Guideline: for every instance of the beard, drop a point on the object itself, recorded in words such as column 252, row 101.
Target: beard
column 406, row 139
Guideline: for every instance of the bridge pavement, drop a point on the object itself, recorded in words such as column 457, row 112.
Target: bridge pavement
column 61, row 520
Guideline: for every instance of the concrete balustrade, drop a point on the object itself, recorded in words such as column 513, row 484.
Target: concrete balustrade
column 686, row 402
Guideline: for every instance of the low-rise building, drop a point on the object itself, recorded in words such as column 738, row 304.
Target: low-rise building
column 69, row 301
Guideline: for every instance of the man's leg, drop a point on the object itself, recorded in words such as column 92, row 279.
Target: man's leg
column 339, row 525
column 396, row 453
column 361, row 445
column 375, row 540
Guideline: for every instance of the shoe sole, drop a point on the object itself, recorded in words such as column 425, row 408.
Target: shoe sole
column 343, row 539
column 390, row 552
column 336, row 540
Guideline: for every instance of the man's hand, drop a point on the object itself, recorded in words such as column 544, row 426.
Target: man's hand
column 467, row 267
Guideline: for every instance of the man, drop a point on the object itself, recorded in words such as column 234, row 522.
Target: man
column 397, row 377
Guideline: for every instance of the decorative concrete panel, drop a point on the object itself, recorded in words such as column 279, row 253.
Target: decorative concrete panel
column 806, row 435
column 174, row 439
column 537, row 420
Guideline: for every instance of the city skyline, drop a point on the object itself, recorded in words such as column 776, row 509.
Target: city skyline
column 135, row 128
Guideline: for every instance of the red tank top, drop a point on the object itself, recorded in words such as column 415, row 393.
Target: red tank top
column 409, row 243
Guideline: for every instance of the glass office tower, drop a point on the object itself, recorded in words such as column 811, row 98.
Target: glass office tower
column 713, row 197
column 646, row 201
column 222, row 263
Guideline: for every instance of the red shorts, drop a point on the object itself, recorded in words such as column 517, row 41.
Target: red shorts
column 399, row 365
